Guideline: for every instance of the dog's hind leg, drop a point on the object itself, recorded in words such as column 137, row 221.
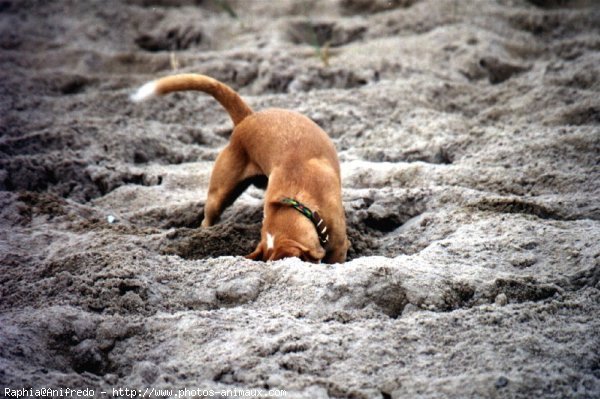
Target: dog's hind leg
column 228, row 180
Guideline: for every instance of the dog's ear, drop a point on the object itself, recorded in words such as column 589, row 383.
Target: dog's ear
column 285, row 251
column 293, row 249
column 314, row 255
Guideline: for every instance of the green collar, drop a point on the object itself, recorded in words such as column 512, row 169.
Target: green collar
column 312, row 216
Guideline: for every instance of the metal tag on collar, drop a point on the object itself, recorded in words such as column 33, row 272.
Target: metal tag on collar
column 321, row 228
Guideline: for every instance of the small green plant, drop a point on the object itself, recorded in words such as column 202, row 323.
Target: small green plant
column 174, row 61
column 224, row 5
column 321, row 51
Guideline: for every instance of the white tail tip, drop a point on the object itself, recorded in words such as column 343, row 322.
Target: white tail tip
column 145, row 92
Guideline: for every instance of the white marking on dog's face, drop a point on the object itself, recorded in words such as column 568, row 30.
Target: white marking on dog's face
column 270, row 241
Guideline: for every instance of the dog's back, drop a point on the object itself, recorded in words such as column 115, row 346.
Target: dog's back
column 284, row 138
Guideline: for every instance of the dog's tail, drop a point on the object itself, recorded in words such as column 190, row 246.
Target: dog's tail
column 225, row 95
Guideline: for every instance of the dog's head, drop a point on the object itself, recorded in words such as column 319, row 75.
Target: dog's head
column 286, row 248
column 287, row 234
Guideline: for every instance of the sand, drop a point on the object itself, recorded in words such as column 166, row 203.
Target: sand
column 469, row 140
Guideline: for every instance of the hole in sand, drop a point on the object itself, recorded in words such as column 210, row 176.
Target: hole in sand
column 237, row 234
column 375, row 223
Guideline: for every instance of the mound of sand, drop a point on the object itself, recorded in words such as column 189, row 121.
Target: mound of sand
column 469, row 135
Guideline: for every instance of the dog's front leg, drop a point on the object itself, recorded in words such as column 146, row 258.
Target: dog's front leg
column 229, row 172
column 338, row 252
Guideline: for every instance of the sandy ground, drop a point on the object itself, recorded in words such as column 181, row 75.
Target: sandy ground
column 469, row 135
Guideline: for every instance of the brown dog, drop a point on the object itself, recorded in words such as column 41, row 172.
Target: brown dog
column 303, row 211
